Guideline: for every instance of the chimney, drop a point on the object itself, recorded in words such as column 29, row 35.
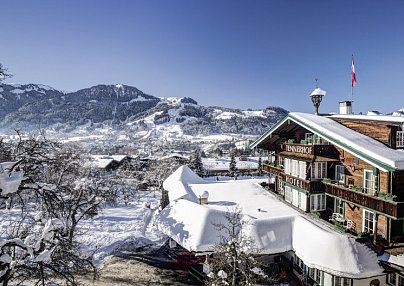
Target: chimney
column 203, row 199
column 345, row 107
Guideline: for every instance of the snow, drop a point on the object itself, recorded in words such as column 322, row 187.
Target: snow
column 18, row 91
column 394, row 259
column 44, row 256
column 357, row 141
column 9, row 183
column 318, row 91
column 273, row 226
column 139, row 98
column 222, row 164
column 385, row 118
column 226, row 115
column 178, row 189
column 222, row 274
column 102, row 161
column 114, row 228
column 117, row 227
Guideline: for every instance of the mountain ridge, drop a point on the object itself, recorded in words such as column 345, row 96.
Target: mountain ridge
column 32, row 106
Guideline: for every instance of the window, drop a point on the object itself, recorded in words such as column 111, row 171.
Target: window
column 295, row 168
column 391, row 279
column 319, row 170
column 400, row 280
column 280, row 161
column 287, row 166
column 368, row 221
column 302, row 170
column 339, row 206
column 298, row 262
column 341, row 281
column 317, row 202
column 340, row 174
column 400, row 139
column 314, row 274
column 308, row 137
column 302, row 201
column 369, row 182
column 288, row 194
column 281, row 185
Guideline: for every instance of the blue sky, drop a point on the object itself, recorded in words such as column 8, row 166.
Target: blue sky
column 244, row 54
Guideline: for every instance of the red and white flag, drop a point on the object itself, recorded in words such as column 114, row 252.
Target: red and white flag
column 353, row 75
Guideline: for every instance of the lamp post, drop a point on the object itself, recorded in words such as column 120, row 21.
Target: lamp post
column 316, row 98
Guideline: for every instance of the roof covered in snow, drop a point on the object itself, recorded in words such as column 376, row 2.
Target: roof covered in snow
column 371, row 116
column 362, row 146
column 274, row 226
column 103, row 161
column 223, row 164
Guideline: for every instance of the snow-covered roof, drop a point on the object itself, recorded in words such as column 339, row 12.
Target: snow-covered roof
column 102, row 161
column 362, row 146
column 273, row 226
column 222, row 164
column 371, row 117
column 179, row 189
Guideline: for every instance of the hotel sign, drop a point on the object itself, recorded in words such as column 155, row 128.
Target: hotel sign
column 302, row 149
column 294, row 181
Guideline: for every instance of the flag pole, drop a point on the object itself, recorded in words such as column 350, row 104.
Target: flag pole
column 351, row 92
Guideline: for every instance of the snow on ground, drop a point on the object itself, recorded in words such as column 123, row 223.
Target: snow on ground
column 114, row 228
column 222, row 164
column 123, row 226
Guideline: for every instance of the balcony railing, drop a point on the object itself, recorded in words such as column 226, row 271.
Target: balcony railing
column 309, row 149
column 274, row 170
column 311, row 186
column 390, row 208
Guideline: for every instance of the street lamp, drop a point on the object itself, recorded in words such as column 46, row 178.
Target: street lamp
column 316, row 98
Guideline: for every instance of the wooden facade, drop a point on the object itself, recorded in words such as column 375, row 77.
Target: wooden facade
column 384, row 132
column 383, row 202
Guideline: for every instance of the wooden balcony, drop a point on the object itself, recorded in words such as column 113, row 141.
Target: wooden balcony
column 308, row 149
column 310, row 186
column 274, row 170
column 390, row 208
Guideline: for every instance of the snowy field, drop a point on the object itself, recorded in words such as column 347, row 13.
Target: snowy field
column 114, row 228
column 123, row 227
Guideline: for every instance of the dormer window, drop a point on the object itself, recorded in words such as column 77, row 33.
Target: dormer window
column 400, row 139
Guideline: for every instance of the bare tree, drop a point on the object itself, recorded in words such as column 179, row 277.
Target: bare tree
column 3, row 73
column 54, row 192
column 233, row 262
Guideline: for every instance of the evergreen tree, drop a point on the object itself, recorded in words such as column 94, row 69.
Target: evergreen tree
column 232, row 165
column 195, row 163
column 259, row 170
column 164, row 201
